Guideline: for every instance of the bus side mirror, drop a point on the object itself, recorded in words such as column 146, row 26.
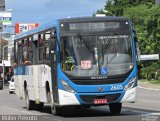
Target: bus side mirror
column 138, row 53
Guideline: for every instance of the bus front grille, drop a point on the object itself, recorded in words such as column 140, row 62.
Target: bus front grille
column 98, row 82
column 109, row 97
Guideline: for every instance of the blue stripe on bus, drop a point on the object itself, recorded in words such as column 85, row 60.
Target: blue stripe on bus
column 21, row 70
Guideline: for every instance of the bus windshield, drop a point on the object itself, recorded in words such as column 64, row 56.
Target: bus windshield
column 96, row 55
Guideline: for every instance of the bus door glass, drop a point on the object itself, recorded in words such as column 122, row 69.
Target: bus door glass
column 53, row 60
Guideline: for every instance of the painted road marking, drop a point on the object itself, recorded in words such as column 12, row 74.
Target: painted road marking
column 129, row 110
column 140, row 112
column 155, row 114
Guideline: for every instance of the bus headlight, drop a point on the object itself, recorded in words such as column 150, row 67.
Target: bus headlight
column 131, row 83
column 67, row 87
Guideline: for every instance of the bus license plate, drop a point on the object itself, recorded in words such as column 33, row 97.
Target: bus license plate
column 100, row 101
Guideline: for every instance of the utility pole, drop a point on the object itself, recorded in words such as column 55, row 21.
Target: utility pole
column 1, row 29
column 3, row 61
column 2, row 5
column 1, row 26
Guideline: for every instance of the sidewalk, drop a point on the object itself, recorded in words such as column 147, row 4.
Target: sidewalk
column 148, row 85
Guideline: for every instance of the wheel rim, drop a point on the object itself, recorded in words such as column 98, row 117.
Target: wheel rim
column 53, row 109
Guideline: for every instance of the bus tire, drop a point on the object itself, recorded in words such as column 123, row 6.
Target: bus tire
column 40, row 106
column 55, row 110
column 1, row 85
column 115, row 108
column 10, row 92
column 29, row 103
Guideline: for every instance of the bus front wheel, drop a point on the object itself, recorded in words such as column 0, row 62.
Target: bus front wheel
column 115, row 108
column 55, row 110
column 1, row 85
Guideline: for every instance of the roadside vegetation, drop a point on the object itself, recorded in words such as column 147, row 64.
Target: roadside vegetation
column 153, row 81
column 145, row 18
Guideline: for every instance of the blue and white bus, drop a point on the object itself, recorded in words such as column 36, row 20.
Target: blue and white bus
column 77, row 62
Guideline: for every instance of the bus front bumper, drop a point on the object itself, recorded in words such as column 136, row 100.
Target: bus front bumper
column 67, row 98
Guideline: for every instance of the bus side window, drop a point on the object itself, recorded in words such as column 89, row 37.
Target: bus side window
column 26, row 52
column 41, row 47
column 46, row 52
column 53, row 39
column 30, row 50
column 44, row 47
column 19, row 52
column 47, row 37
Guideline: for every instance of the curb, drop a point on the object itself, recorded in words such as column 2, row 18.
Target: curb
column 148, row 88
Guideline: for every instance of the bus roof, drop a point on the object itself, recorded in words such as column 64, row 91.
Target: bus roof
column 36, row 30
column 77, row 19
column 93, row 19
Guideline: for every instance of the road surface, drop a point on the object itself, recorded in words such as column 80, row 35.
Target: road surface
column 147, row 108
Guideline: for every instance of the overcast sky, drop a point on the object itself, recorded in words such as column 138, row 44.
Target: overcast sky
column 43, row 11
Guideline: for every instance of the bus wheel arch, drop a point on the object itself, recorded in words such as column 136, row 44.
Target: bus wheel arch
column 48, row 92
column 29, row 103
column 25, row 89
column 25, row 85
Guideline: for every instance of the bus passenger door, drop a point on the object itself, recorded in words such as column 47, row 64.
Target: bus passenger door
column 53, row 62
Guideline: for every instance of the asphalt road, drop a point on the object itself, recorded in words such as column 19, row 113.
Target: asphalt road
column 147, row 108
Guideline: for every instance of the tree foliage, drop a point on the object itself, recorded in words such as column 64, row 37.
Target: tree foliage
column 145, row 18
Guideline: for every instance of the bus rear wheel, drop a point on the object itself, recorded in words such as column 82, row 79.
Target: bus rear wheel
column 1, row 85
column 115, row 108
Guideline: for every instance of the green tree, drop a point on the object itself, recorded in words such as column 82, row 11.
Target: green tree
column 145, row 18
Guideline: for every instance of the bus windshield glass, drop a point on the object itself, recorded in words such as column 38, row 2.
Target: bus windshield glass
column 96, row 55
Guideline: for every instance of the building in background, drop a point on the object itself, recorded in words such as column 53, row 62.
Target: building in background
column 5, row 18
column 23, row 27
column 6, row 46
column 2, row 5
column 6, row 58
column 2, row 8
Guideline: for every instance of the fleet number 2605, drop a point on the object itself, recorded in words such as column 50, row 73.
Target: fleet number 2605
column 116, row 87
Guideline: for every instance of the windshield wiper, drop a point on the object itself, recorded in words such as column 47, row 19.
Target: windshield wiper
column 93, row 50
column 85, row 43
column 105, row 47
column 115, row 55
